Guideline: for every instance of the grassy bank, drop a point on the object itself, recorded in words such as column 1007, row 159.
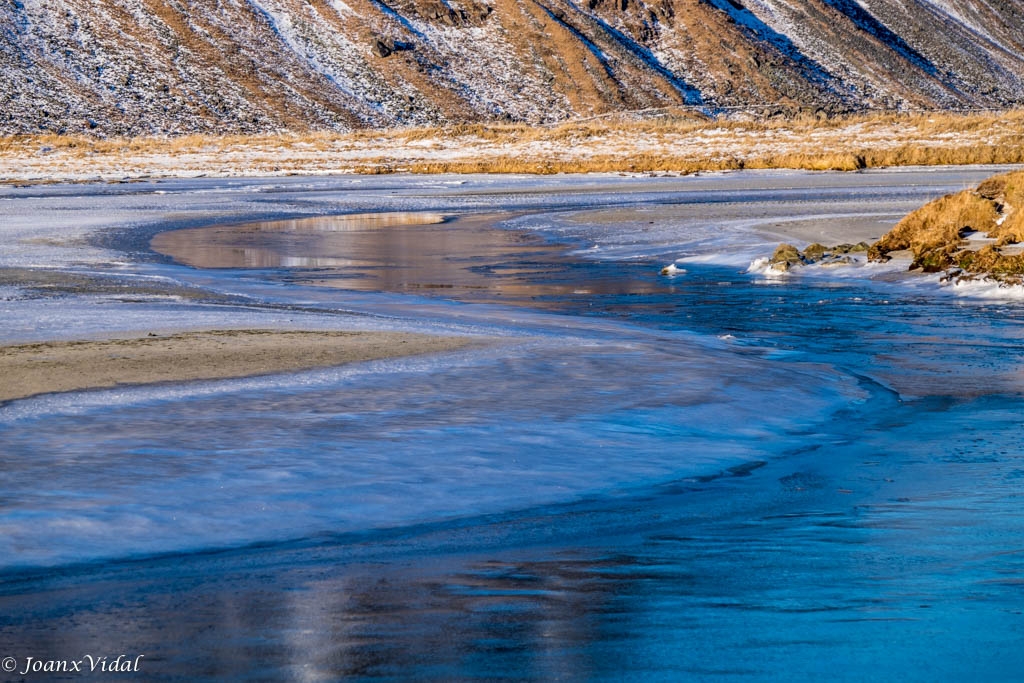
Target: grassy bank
column 621, row 143
column 978, row 231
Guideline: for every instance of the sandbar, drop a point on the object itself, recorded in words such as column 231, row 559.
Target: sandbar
column 832, row 230
column 57, row 366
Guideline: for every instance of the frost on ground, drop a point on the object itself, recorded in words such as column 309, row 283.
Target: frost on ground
column 619, row 143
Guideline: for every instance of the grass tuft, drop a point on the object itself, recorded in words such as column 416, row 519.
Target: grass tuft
column 936, row 233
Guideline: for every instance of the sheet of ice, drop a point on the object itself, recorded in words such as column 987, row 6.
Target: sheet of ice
column 732, row 219
column 74, row 224
column 986, row 289
column 152, row 470
column 584, row 402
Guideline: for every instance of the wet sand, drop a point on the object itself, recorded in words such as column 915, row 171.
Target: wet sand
column 834, row 230
column 30, row 369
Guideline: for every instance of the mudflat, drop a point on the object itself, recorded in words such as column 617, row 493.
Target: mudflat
column 47, row 367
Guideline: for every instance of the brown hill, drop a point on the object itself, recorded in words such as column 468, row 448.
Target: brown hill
column 176, row 66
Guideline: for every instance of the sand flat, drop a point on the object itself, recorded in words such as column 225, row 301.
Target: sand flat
column 47, row 367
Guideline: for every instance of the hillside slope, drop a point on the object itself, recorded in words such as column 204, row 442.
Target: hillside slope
column 224, row 66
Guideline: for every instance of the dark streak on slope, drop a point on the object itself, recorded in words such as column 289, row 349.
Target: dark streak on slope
column 598, row 54
column 866, row 22
column 131, row 67
column 690, row 94
column 812, row 70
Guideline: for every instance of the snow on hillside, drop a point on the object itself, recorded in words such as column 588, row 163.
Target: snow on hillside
column 242, row 66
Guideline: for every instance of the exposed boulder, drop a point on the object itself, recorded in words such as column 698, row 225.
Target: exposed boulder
column 815, row 251
column 787, row 256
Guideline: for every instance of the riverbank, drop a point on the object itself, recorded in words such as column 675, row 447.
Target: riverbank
column 619, row 143
column 972, row 233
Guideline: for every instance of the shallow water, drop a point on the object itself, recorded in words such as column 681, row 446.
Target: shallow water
column 711, row 476
column 456, row 257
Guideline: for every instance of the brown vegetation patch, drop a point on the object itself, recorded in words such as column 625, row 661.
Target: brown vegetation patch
column 977, row 231
column 675, row 140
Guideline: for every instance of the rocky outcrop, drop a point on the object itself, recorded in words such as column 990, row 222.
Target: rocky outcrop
column 786, row 256
column 182, row 66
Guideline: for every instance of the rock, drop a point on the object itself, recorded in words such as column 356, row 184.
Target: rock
column 815, row 252
column 847, row 248
column 951, row 275
column 837, row 261
column 383, row 46
column 785, row 256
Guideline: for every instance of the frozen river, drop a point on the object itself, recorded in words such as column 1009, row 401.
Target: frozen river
column 715, row 475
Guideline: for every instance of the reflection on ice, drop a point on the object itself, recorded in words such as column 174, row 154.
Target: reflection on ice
column 467, row 257
column 353, row 222
column 835, row 563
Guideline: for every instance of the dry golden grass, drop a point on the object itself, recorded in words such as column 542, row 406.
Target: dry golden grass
column 916, row 125
column 598, row 164
column 645, row 163
column 679, row 140
column 935, row 232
